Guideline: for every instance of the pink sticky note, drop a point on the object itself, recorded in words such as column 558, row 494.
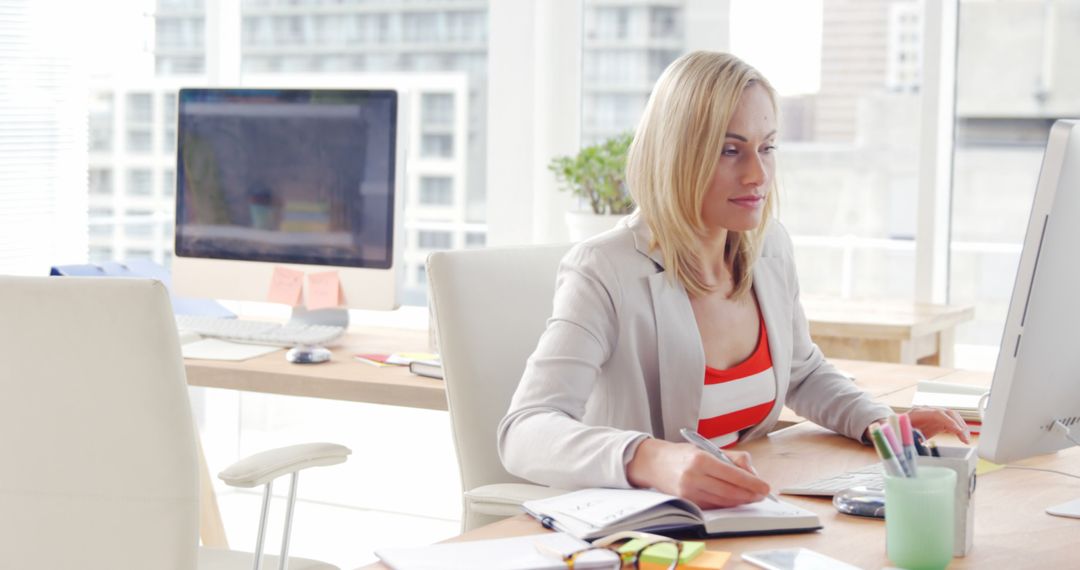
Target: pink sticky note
column 324, row 290
column 285, row 286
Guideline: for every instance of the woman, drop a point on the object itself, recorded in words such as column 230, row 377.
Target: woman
column 685, row 316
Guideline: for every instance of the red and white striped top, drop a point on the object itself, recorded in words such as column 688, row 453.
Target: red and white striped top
column 739, row 397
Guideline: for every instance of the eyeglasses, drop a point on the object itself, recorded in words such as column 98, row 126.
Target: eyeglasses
column 622, row 550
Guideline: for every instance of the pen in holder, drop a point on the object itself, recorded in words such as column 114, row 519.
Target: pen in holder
column 963, row 461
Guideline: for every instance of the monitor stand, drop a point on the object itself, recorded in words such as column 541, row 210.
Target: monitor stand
column 311, row 354
column 1069, row 509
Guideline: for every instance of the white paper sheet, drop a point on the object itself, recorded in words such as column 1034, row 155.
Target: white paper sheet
column 216, row 349
column 518, row 553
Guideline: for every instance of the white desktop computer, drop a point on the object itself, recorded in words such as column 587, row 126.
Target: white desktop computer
column 305, row 180
column 1034, row 402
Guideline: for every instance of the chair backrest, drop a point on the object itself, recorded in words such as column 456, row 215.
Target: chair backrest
column 99, row 459
column 490, row 307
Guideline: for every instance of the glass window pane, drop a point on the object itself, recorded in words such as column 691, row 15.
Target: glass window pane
column 139, row 141
column 434, row 239
column 140, row 182
column 101, row 181
column 848, row 80
column 436, row 146
column 140, row 108
column 138, row 224
column 436, row 191
column 1016, row 74
column 100, row 221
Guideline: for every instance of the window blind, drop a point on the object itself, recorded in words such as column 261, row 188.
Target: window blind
column 43, row 126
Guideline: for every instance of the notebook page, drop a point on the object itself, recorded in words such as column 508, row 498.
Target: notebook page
column 598, row 508
column 762, row 508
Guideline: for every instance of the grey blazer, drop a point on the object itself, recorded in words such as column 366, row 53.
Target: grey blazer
column 621, row 360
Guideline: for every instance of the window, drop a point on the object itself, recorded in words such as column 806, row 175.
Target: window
column 664, row 23
column 100, row 133
column 1015, row 76
column 421, row 275
column 140, row 182
column 100, row 221
column 140, row 141
column 100, row 254
column 436, row 191
column 437, row 146
column 140, row 108
column 168, row 183
column 438, row 110
column 138, row 254
column 475, row 239
column 434, row 239
column 138, row 224
column 101, row 181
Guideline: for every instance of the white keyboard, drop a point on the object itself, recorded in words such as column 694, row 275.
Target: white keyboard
column 258, row 332
column 869, row 476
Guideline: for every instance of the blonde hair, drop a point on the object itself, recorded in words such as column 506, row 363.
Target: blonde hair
column 672, row 160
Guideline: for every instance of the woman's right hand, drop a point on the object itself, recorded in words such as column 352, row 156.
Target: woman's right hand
column 685, row 471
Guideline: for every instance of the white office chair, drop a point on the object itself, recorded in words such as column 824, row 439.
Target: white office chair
column 490, row 306
column 99, row 460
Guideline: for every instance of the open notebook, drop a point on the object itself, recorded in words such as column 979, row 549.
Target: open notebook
column 592, row 513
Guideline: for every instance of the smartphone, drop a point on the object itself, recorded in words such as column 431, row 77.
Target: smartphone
column 794, row 559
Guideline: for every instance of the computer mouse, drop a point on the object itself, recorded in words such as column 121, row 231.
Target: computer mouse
column 307, row 355
column 861, row 502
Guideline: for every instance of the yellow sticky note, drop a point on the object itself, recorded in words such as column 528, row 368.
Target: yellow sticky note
column 285, row 286
column 323, row 291
column 707, row 560
column 985, row 467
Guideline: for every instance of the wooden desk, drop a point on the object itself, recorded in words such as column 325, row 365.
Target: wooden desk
column 346, row 379
column 879, row 379
column 886, row 331
column 1011, row 528
column 343, row 378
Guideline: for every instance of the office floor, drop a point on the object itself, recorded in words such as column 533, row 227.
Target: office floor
column 400, row 487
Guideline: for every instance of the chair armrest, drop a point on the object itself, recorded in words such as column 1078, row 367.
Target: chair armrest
column 263, row 467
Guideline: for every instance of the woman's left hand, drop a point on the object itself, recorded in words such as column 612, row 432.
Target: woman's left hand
column 932, row 421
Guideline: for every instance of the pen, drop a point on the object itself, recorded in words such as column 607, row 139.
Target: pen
column 933, row 449
column 920, row 442
column 888, row 460
column 908, row 441
column 711, row 448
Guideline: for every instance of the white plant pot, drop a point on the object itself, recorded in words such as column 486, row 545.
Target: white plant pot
column 584, row 225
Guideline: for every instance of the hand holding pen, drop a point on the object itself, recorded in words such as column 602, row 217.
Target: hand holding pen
column 711, row 448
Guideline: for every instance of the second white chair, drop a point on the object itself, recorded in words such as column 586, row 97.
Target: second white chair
column 490, row 307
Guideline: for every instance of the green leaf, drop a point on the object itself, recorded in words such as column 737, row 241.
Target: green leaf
column 597, row 173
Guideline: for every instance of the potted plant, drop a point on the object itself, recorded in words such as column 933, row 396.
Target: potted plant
column 596, row 175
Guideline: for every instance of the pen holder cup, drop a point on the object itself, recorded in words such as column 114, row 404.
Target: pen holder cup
column 919, row 518
column 963, row 461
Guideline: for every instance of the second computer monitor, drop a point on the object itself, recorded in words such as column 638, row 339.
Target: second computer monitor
column 1037, row 378
column 305, row 179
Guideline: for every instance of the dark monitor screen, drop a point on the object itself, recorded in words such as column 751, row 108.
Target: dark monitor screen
column 287, row 176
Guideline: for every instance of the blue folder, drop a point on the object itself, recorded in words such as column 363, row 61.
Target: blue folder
column 151, row 270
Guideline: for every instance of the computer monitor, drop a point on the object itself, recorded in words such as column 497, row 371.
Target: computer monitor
column 1037, row 378
column 306, row 179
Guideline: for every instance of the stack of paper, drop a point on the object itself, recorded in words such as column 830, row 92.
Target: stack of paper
column 960, row 398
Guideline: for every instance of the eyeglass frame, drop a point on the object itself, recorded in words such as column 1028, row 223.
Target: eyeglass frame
column 605, row 544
